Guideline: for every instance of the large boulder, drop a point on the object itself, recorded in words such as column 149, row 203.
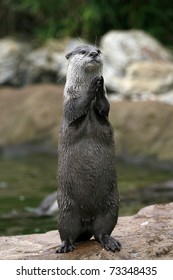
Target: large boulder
column 13, row 63
column 30, row 114
column 22, row 63
column 146, row 235
column 124, row 47
column 143, row 130
column 136, row 64
column 47, row 63
column 146, row 79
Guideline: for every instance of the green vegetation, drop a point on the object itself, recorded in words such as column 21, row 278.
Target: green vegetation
column 40, row 19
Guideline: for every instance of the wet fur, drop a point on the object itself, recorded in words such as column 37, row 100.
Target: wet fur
column 87, row 197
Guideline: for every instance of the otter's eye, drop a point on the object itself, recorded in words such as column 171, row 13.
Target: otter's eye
column 83, row 52
column 99, row 52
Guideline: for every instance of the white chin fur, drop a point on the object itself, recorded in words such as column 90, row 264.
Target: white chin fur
column 92, row 66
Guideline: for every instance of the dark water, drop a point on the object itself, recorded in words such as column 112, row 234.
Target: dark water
column 25, row 181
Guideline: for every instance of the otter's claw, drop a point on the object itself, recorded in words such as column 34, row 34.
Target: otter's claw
column 109, row 243
column 66, row 247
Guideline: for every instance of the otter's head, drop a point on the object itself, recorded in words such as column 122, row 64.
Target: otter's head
column 84, row 64
column 86, row 58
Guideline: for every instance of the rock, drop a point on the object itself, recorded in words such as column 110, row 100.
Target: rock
column 166, row 97
column 136, row 64
column 144, row 78
column 121, row 48
column 146, row 235
column 30, row 115
column 22, row 64
column 13, row 62
column 48, row 63
column 143, row 132
column 30, row 118
column 146, row 70
column 43, row 66
column 47, row 207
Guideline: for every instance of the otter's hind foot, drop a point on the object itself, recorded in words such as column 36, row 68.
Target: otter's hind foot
column 109, row 243
column 66, row 247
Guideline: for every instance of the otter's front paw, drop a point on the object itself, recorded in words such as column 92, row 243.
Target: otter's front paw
column 96, row 84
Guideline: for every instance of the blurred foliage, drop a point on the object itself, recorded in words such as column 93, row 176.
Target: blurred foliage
column 89, row 19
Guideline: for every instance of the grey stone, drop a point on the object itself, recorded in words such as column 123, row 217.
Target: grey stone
column 146, row 235
column 13, row 62
column 136, row 65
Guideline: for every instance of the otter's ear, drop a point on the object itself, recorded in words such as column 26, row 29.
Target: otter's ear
column 68, row 55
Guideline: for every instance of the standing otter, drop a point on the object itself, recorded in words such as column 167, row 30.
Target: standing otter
column 88, row 197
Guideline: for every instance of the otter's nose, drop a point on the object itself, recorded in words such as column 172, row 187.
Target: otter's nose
column 93, row 54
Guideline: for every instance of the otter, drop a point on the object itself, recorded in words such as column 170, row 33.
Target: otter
column 88, row 197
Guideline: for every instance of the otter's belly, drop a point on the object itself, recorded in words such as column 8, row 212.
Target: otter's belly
column 87, row 157
column 87, row 172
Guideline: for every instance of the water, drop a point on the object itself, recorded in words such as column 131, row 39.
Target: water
column 25, row 181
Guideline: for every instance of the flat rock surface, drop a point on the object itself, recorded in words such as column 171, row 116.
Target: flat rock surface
column 146, row 235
